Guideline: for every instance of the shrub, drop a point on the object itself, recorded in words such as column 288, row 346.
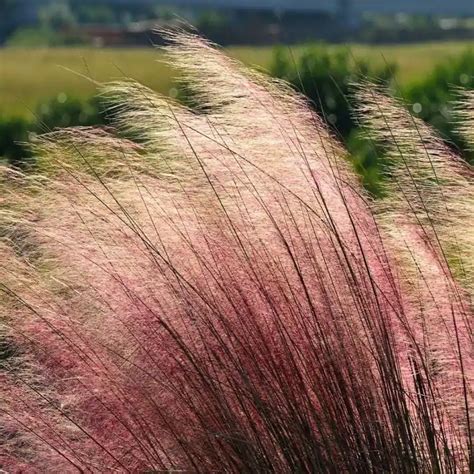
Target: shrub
column 225, row 296
column 34, row 37
column 433, row 97
column 60, row 111
column 13, row 136
column 64, row 111
column 325, row 76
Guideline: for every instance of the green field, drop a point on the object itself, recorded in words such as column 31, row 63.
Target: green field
column 29, row 75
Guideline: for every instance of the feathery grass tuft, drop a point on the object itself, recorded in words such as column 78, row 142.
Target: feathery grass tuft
column 221, row 294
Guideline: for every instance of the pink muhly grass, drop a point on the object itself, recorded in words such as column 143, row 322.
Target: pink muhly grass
column 224, row 295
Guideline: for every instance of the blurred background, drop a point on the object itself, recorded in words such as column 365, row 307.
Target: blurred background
column 422, row 50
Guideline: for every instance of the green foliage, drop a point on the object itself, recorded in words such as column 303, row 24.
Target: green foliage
column 57, row 112
column 366, row 157
column 13, row 135
column 212, row 22
column 62, row 111
column 325, row 76
column 57, row 15
column 55, row 21
column 88, row 13
column 322, row 72
column 32, row 76
column 433, row 97
column 42, row 36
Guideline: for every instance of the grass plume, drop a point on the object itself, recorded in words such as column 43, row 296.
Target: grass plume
column 221, row 293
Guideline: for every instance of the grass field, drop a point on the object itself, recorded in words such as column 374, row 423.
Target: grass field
column 29, row 75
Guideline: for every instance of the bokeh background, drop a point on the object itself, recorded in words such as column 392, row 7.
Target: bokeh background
column 422, row 50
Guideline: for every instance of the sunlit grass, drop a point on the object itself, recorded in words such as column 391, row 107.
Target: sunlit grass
column 221, row 295
column 29, row 75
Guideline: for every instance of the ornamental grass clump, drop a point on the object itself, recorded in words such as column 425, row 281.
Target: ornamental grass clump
column 217, row 292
